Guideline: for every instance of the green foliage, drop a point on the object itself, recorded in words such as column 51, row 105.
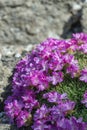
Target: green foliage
column 75, row 89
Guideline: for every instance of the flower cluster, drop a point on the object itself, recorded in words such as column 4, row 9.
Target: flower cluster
column 83, row 76
column 56, row 117
column 45, row 67
column 53, row 119
column 84, row 101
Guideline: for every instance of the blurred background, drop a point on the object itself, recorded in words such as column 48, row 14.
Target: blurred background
column 32, row 21
column 25, row 23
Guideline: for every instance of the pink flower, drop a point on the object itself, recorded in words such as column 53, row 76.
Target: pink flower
column 83, row 76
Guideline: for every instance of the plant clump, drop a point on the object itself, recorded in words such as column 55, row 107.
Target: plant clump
column 33, row 101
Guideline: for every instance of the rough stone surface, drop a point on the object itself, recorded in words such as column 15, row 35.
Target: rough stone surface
column 24, row 21
column 84, row 18
column 23, row 24
column 4, row 127
column 7, row 127
column 9, row 56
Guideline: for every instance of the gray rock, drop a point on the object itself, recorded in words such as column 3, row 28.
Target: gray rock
column 24, row 21
column 7, row 127
column 84, row 18
column 5, row 72
column 4, row 127
column 9, row 57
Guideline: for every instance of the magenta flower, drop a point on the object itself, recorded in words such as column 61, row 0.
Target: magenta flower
column 80, row 37
column 13, row 108
column 64, row 104
column 46, row 66
column 81, row 40
column 54, row 118
column 55, row 97
column 83, row 76
column 29, row 100
column 84, row 101
column 57, row 77
column 22, row 118
column 41, row 113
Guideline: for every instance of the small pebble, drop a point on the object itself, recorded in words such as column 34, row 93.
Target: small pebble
column 29, row 47
column 17, row 55
column 76, row 6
